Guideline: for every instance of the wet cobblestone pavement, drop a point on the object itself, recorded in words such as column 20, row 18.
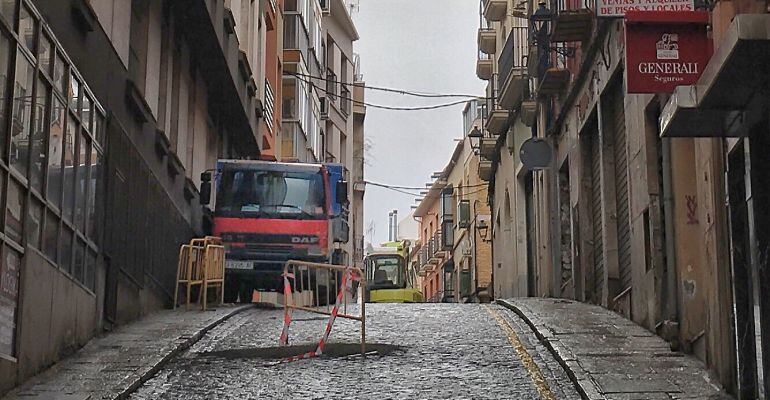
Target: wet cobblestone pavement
column 446, row 351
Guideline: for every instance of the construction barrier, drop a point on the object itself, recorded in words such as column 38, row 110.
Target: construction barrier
column 201, row 263
column 314, row 276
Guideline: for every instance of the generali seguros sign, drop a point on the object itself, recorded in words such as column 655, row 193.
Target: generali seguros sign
column 665, row 50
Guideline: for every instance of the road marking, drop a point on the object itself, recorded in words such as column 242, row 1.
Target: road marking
column 534, row 371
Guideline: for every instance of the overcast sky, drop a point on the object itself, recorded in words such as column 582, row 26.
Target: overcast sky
column 419, row 45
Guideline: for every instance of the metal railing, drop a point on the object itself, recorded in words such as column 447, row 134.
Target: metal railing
column 492, row 94
column 345, row 100
column 329, row 285
column 514, row 54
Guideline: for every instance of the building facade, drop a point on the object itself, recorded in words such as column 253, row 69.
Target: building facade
column 648, row 204
column 111, row 111
column 455, row 252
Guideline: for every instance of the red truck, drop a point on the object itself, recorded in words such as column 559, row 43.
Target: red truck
column 269, row 212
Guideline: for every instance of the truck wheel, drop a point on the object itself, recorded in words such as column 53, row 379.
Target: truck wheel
column 231, row 291
column 246, row 292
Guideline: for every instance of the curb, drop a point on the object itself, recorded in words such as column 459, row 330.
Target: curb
column 188, row 341
column 580, row 378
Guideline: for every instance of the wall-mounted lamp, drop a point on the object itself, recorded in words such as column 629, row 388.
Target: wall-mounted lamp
column 475, row 138
column 483, row 229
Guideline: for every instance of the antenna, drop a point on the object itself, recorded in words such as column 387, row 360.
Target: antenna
column 353, row 6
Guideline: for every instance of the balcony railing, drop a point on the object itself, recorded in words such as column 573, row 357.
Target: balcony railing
column 345, row 100
column 269, row 105
column 514, row 54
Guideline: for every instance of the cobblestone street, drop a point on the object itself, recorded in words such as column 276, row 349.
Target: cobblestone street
column 440, row 354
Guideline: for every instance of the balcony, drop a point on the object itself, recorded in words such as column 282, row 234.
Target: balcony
column 485, row 170
column 487, row 40
column 495, row 10
column 528, row 112
column 497, row 121
column 572, row 26
column 484, row 66
column 487, row 147
column 513, row 69
column 554, row 81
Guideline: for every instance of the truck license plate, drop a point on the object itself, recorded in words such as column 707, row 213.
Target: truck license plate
column 233, row 264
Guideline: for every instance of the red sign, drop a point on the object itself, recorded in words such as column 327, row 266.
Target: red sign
column 665, row 50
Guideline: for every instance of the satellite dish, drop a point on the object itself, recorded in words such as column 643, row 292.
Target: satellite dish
column 536, row 154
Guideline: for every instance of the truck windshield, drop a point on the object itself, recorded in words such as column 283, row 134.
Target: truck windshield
column 250, row 193
column 385, row 271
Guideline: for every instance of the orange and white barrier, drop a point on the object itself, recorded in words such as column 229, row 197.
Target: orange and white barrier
column 294, row 270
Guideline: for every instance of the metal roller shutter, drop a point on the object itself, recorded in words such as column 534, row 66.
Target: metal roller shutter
column 621, row 192
column 596, row 211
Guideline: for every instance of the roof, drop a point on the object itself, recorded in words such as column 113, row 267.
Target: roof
column 434, row 192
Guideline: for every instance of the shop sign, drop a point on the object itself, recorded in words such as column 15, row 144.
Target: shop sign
column 619, row 8
column 9, row 292
column 665, row 50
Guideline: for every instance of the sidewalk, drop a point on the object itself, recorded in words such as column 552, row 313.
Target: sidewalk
column 610, row 356
column 112, row 366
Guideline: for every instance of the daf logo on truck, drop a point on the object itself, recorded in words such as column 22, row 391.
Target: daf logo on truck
column 304, row 239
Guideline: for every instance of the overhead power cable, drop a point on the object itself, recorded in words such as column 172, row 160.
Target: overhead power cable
column 385, row 185
column 391, row 108
column 431, row 196
column 389, row 90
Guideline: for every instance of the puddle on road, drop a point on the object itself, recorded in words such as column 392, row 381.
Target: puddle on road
column 332, row 350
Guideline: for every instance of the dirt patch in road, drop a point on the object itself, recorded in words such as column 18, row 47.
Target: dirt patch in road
column 333, row 350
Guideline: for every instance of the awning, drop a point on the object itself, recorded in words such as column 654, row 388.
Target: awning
column 736, row 73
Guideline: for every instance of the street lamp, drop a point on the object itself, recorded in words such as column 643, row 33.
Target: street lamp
column 540, row 19
column 475, row 136
column 483, row 229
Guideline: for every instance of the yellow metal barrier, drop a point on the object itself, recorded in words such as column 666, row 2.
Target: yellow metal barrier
column 201, row 263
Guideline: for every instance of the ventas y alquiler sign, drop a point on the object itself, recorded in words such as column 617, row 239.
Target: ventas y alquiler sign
column 618, row 8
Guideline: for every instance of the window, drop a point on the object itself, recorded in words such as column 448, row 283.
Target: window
column 22, row 110
column 68, row 200
column 55, row 149
column 39, row 130
column 81, row 180
column 65, row 249
column 5, row 61
column 28, row 29
column 8, row 10
column 90, row 270
column 464, row 214
column 46, row 54
column 94, row 193
column 271, row 194
column 34, row 223
column 50, row 235
column 78, row 261
column 60, row 74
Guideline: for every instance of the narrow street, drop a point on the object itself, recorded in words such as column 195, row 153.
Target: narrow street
column 453, row 351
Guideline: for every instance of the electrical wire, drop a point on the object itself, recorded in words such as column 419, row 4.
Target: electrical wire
column 423, row 197
column 390, row 90
column 390, row 108
column 413, row 187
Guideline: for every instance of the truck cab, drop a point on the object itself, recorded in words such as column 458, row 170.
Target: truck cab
column 269, row 212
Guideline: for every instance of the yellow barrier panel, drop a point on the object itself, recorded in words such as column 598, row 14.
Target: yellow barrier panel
column 201, row 263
